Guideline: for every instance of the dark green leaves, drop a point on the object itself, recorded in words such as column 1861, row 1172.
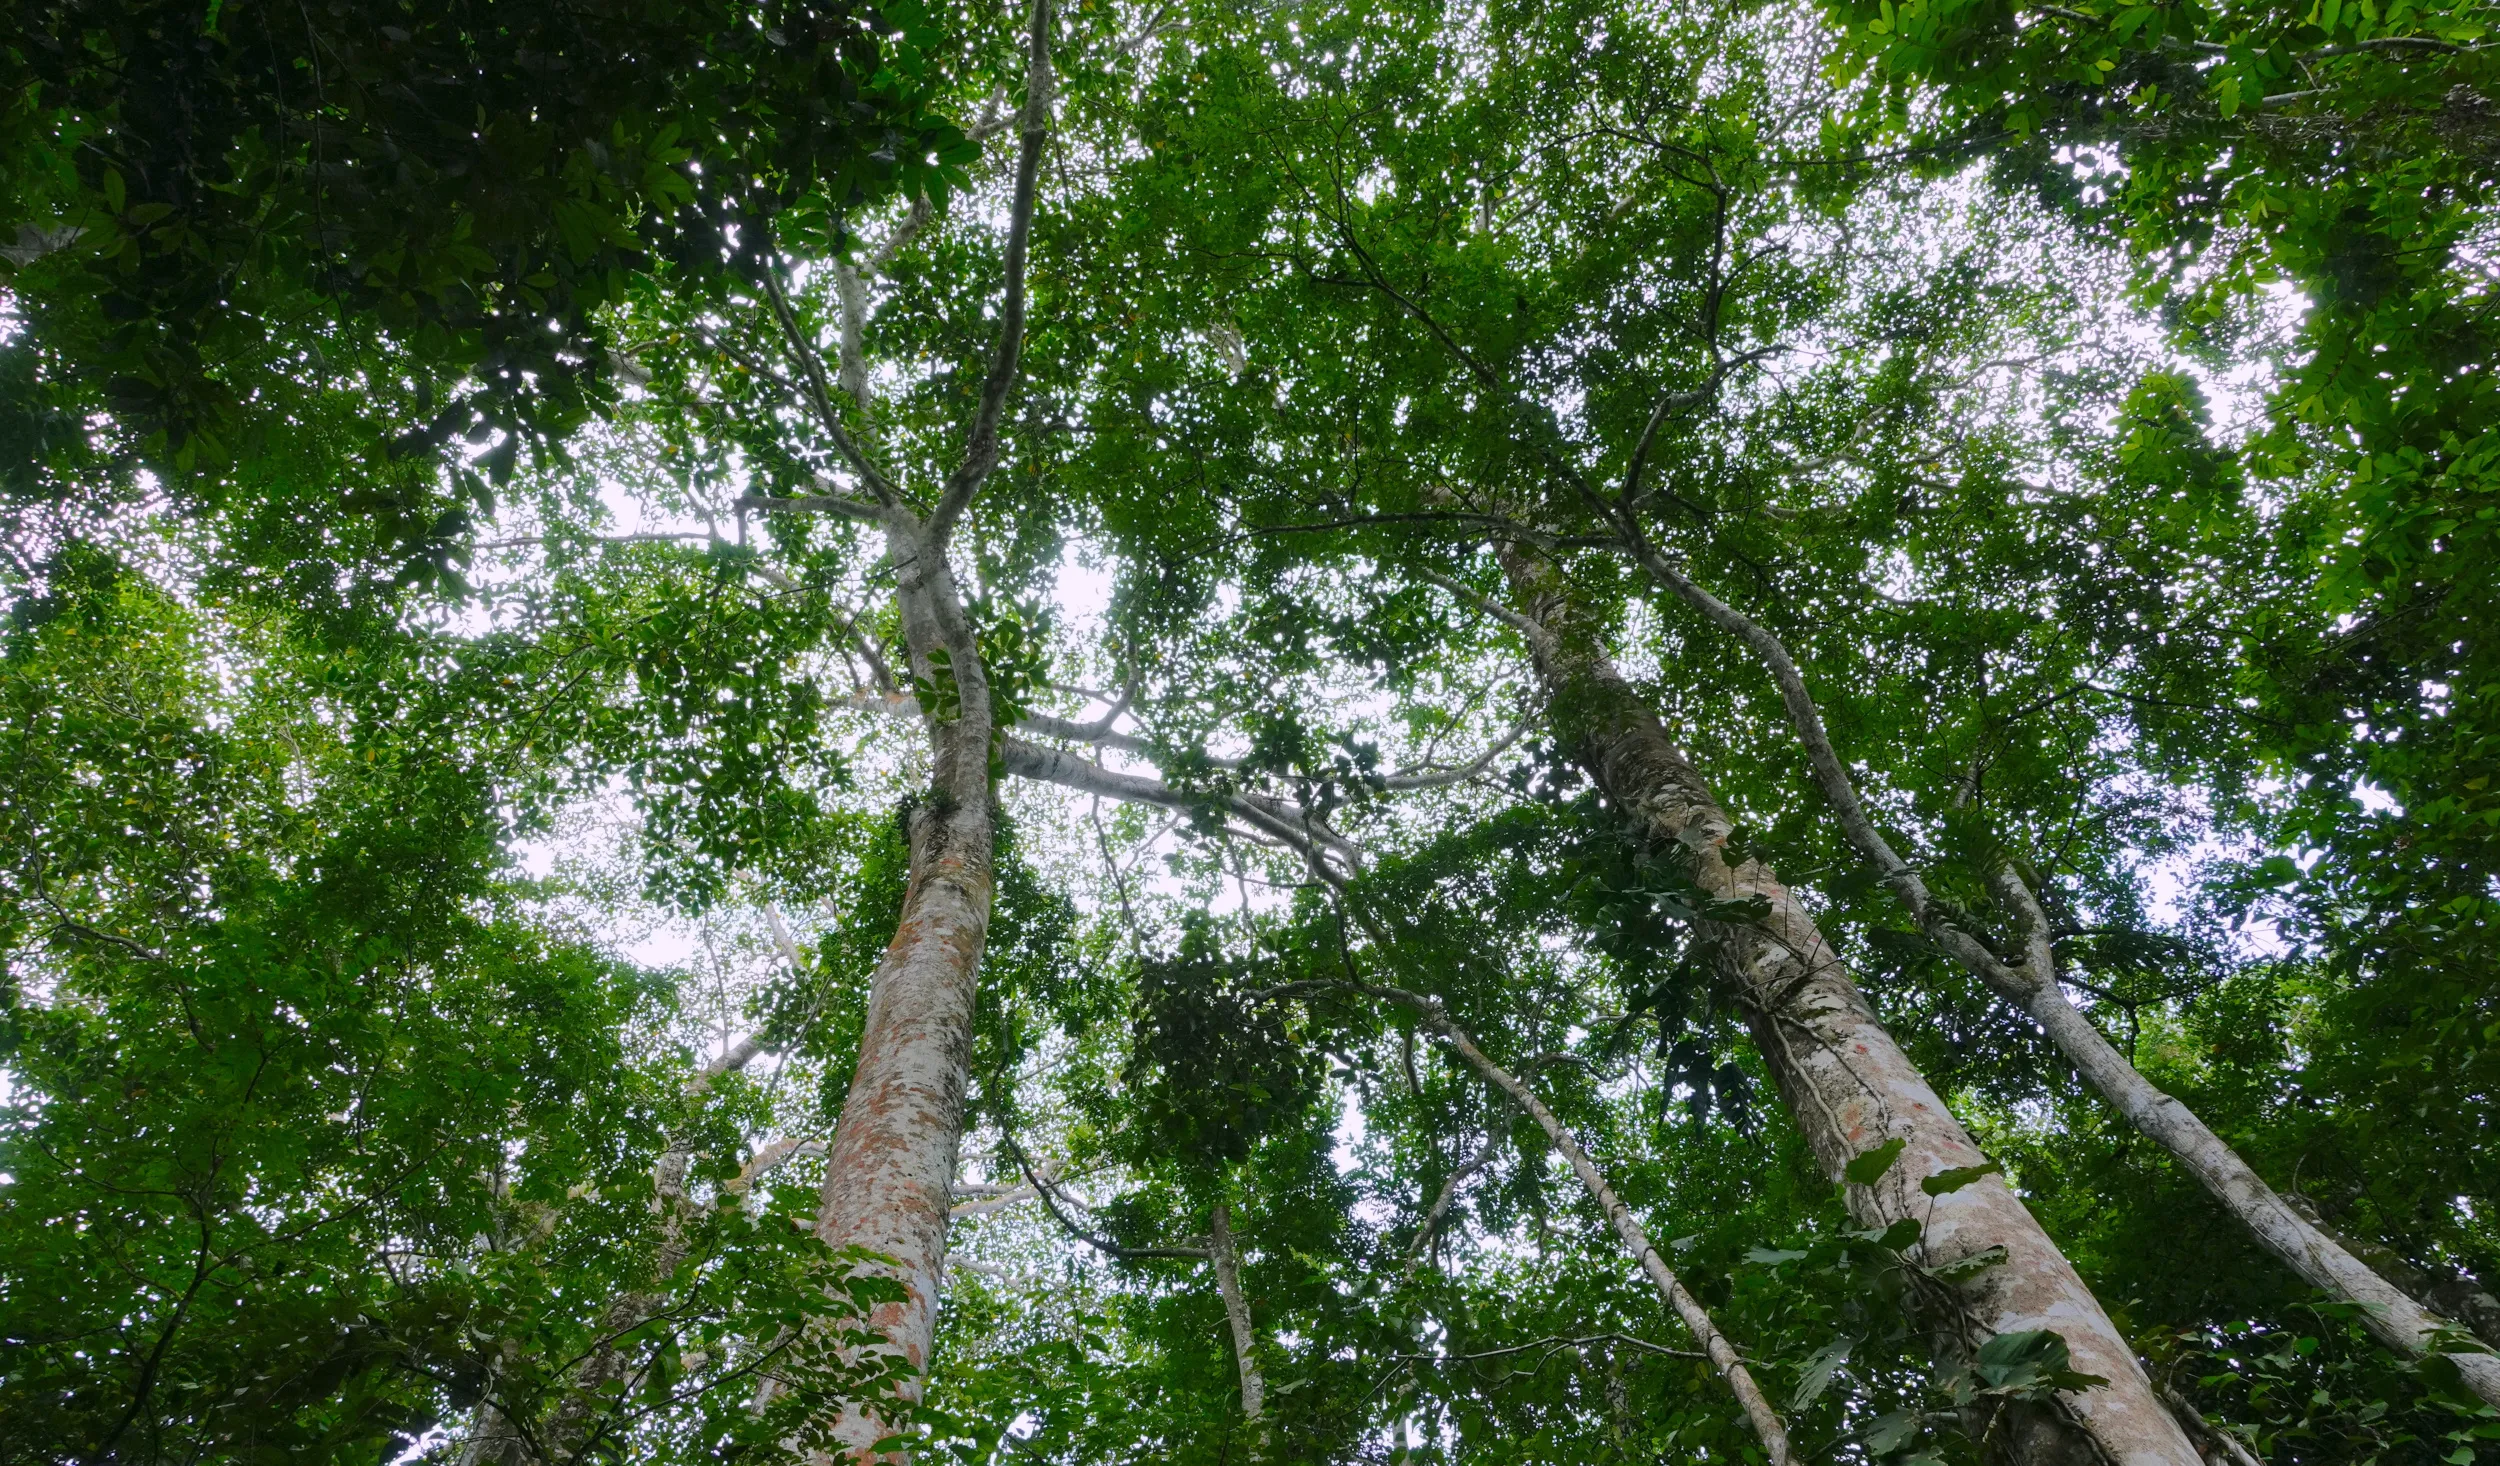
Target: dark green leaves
column 2031, row 1362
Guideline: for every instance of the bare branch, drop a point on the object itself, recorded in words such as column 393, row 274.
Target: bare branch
column 850, row 284
column 769, row 1157
column 1160, row 23
column 1280, row 820
column 549, row 541
column 981, row 448
column 818, row 394
column 1721, row 1353
column 1048, row 1196
column 1444, row 778
column 1537, row 636
column 806, row 504
column 1555, row 1343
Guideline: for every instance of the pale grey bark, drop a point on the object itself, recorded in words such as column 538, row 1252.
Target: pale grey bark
column 1226, row 1259
column 1847, row 1084
column 2392, row 1315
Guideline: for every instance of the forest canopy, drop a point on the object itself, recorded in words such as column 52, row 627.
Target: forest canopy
column 1221, row 733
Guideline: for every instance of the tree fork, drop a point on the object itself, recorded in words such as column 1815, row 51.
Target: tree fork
column 1847, row 1084
column 890, row 1167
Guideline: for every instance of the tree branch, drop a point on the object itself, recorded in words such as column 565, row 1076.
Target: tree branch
column 1721, row 1353
column 981, row 449
column 1104, row 1245
column 1441, row 1203
column 819, row 395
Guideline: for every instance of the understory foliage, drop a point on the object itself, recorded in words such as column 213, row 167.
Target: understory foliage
column 460, row 747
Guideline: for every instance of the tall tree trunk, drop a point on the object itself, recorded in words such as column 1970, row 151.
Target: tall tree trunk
column 2393, row 1314
column 1227, row 1261
column 1846, row 1083
column 890, row 1167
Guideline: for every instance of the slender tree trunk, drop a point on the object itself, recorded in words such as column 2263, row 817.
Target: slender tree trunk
column 574, row 1415
column 1767, row 1426
column 1227, row 1261
column 1846, row 1082
column 890, row 1169
column 2398, row 1320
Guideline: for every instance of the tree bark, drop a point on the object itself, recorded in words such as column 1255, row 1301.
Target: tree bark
column 1227, row 1261
column 890, row 1167
column 1846, row 1083
column 2399, row 1320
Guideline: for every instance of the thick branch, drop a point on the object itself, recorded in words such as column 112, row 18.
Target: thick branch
column 1276, row 818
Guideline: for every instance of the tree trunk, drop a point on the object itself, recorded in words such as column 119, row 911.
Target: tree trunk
column 1227, row 1261
column 1846, row 1083
column 891, row 1164
column 2389, row 1311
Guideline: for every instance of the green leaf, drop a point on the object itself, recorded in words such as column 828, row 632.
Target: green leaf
column 1817, row 1375
column 1869, row 1167
column 1891, row 1432
column 1954, row 1178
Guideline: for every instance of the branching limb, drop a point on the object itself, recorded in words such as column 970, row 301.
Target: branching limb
column 2395, row 1317
column 981, row 449
column 1444, row 778
column 818, row 394
column 1278, row 819
column 1441, row 1204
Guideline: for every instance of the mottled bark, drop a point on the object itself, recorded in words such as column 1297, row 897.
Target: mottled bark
column 2031, row 983
column 890, row 1167
column 891, row 1163
column 1846, row 1083
column 1227, row 1261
